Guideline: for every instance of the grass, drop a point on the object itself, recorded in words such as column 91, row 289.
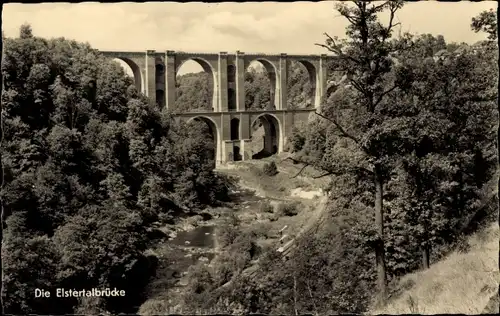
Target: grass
column 461, row 283
column 278, row 186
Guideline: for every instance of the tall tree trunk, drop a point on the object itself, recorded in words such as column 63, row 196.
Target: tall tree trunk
column 295, row 294
column 425, row 256
column 498, row 105
column 380, row 251
column 426, row 245
column 2, row 215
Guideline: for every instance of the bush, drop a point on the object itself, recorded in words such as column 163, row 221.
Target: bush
column 260, row 229
column 266, row 207
column 229, row 264
column 288, row 209
column 226, row 234
column 270, row 169
column 245, row 245
column 194, row 220
column 297, row 140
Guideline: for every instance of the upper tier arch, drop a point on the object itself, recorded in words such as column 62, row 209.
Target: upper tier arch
column 145, row 64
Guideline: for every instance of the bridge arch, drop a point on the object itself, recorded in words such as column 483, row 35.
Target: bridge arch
column 214, row 131
column 211, row 74
column 235, row 128
column 231, row 93
column 160, row 81
column 273, row 135
column 136, row 71
column 271, row 71
column 313, row 80
column 298, row 69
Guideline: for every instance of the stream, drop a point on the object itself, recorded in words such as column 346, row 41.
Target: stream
column 187, row 247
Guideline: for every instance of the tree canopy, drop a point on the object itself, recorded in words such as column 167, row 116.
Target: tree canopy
column 85, row 157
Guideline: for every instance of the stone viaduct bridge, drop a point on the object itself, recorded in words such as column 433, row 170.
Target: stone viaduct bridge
column 230, row 123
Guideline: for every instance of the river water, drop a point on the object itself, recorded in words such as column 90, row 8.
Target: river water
column 189, row 247
column 201, row 237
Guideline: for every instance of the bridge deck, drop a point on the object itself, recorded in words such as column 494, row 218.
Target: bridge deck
column 244, row 111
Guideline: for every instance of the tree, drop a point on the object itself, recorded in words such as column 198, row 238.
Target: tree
column 194, row 92
column 85, row 157
column 257, row 90
column 358, row 125
column 300, row 94
column 451, row 105
column 486, row 21
column 26, row 31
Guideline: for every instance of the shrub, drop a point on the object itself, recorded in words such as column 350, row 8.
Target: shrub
column 288, row 209
column 194, row 220
column 200, row 279
column 270, row 169
column 223, row 270
column 245, row 245
column 273, row 217
column 266, row 207
column 227, row 232
column 229, row 264
column 296, row 140
column 260, row 229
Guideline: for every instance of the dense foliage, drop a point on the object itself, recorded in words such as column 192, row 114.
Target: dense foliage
column 435, row 131
column 88, row 166
column 421, row 110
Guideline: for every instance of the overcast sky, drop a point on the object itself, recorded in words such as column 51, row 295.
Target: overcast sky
column 249, row 27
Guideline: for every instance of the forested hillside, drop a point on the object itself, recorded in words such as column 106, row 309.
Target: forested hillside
column 408, row 139
column 88, row 166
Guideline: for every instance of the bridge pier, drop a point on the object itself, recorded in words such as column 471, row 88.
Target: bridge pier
column 230, row 122
column 277, row 125
column 246, row 149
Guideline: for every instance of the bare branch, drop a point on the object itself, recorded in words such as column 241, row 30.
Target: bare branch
column 335, row 49
column 336, row 173
column 357, row 86
column 331, row 39
column 339, row 127
column 296, row 161
column 300, row 171
column 389, row 27
column 329, row 48
column 306, row 164
column 293, row 160
column 378, row 7
column 324, row 175
column 345, row 14
column 383, row 94
column 326, row 171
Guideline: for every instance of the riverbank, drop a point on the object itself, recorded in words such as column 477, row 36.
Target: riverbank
column 257, row 204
